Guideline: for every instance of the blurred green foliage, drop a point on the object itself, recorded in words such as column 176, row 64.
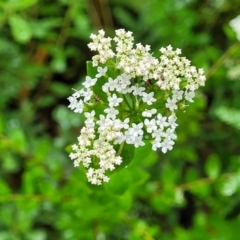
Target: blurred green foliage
column 192, row 192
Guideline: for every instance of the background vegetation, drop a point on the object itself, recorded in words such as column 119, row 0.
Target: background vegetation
column 192, row 192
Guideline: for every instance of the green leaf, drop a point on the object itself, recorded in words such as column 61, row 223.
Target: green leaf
column 139, row 176
column 17, row 137
column 125, row 201
column 202, row 190
column 20, row 28
column 127, row 154
column 212, row 166
column 10, row 164
column 144, row 155
column 4, row 190
column 59, row 61
column 6, row 235
column 91, row 70
column 119, row 182
column 2, row 123
column 37, row 235
column 44, row 28
column 60, row 89
column 230, row 185
column 229, row 32
column 229, row 116
column 20, row 5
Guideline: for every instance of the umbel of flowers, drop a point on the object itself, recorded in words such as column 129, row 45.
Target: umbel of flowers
column 129, row 97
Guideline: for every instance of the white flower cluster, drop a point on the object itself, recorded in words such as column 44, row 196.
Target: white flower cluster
column 140, row 96
column 235, row 25
column 168, row 71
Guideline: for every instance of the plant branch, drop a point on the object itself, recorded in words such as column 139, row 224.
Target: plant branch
column 221, row 60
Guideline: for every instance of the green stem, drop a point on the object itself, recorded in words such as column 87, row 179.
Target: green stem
column 220, row 61
column 120, row 149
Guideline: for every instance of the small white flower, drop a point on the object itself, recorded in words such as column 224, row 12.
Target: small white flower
column 111, row 113
column 111, row 85
column 156, row 144
column 89, row 115
column 114, row 101
column 149, row 113
column 136, row 129
column 169, row 134
column 78, row 93
column 148, row 98
column 162, row 50
column 87, row 94
column 162, row 121
column 89, row 82
column 151, row 125
column 101, row 71
column 73, row 102
column 137, row 91
column 189, row 96
column 171, row 104
column 78, row 107
column 76, row 163
column 177, row 95
column 138, row 141
column 125, row 124
column 118, row 160
column 73, row 155
column 178, row 51
column 167, row 144
column 90, row 119
column 158, row 133
column 172, row 121
column 103, row 121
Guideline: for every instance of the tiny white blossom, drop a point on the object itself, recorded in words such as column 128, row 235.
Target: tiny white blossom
column 150, row 124
column 138, row 141
column 114, row 101
column 177, row 95
column 137, row 91
column 136, row 129
column 90, row 119
column 149, row 113
column 73, row 102
column 111, row 85
column 118, row 160
column 167, row 144
column 156, row 144
column 189, row 96
column 87, row 94
column 78, row 93
column 148, row 98
column 171, row 104
column 101, row 71
column 111, row 113
column 169, row 134
column 103, row 121
column 125, row 124
column 89, row 82
column 158, row 133
column 161, row 121
column 78, row 107
column 172, row 121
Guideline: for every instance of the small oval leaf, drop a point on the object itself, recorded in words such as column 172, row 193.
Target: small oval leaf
column 20, row 28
